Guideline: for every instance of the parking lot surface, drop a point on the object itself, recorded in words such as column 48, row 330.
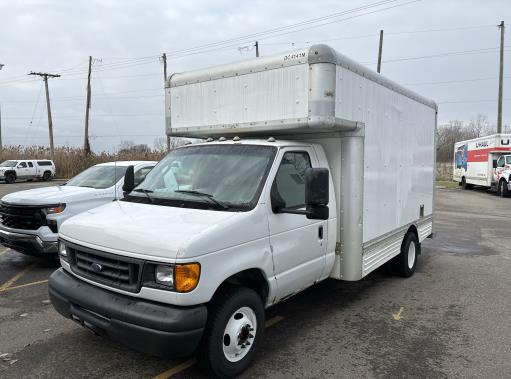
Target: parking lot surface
column 451, row 319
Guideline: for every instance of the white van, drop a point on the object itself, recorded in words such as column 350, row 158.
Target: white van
column 313, row 167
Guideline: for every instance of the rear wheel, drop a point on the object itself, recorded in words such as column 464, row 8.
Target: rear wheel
column 47, row 176
column 404, row 264
column 502, row 190
column 465, row 185
column 10, row 178
column 233, row 332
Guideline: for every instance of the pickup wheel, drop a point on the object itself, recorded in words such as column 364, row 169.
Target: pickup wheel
column 47, row 176
column 234, row 331
column 404, row 264
column 502, row 190
column 10, row 178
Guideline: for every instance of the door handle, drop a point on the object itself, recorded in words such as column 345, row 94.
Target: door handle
column 320, row 232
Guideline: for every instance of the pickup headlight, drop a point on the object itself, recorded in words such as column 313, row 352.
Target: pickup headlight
column 180, row 277
column 55, row 209
column 62, row 251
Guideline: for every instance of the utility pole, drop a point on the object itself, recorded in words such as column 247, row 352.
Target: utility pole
column 501, row 77
column 164, row 60
column 257, row 48
column 380, row 52
column 86, row 145
column 45, row 77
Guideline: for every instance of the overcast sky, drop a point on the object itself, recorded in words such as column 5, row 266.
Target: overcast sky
column 125, row 39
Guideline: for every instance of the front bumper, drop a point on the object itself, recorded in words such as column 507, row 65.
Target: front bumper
column 150, row 327
column 31, row 244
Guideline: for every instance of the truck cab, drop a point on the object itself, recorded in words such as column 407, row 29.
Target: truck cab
column 502, row 175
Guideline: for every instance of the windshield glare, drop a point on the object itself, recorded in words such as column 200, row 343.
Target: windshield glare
column 230, row 174
column 8, row 164
column 98, row 177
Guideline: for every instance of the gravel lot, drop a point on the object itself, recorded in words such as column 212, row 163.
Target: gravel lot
column 451, row 319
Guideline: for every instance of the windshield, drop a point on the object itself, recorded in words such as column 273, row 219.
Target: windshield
column 216, row 176
column 8, row 164
column 98, row 177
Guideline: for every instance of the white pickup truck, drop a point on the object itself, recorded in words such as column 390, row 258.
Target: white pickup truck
column 315, row 167
column 26, row 169
column 30, row 220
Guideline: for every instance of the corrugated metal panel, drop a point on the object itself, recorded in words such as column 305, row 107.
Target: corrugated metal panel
column 276, row 94
column 425, row 230
column 398, row 151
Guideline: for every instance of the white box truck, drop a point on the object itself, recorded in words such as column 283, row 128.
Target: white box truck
column 312, row 167
column 484, row 161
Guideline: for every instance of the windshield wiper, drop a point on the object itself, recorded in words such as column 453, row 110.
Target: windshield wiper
column 145, row 192
column 204, row 195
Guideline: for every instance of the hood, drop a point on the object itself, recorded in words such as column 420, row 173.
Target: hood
column 155, row 231
column 53, row 195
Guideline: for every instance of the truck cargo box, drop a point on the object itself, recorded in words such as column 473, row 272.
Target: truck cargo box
column 379, row 138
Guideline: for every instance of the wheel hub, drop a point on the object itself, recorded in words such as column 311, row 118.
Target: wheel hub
column 239, row 334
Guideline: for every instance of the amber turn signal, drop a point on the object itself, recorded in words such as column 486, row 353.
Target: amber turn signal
column 186, row 276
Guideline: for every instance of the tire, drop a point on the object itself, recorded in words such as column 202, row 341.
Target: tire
column 502, row 190
column 47, row 176
column 404, row 264
column 235, row 319
column 10, row 178
column 465, row 185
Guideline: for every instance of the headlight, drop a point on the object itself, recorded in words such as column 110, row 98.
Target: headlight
column 180, row 278
column 164, row 274
column 62, row 250
column 56, row 209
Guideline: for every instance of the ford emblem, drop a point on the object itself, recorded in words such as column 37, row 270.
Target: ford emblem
column 96, row 267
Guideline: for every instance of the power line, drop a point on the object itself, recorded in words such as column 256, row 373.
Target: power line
column 453, row 81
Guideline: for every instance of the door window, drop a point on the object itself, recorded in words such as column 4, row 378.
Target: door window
column 500, row 162
column 140, row 174
column 289, row 184
column 30, row 164
column 508, row 159
column 22, row 165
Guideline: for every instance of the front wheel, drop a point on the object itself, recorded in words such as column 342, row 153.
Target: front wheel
column 233, row 332
column 404, row 264
column 10, row 178
column 502, row 190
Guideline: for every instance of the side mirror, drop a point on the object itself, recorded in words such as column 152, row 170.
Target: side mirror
column 494, row 163
column 129, row 180
column 317, row 193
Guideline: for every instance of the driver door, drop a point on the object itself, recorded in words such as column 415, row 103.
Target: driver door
column 295, row 241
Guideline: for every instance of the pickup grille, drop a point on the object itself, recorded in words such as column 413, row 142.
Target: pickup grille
column 109, row 269
column 22, row 216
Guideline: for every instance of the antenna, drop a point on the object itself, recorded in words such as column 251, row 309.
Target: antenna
column 115, row 179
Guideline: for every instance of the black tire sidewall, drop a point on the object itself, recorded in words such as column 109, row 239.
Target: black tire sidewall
column 401, row 262
column 502, row 188
column 212, row 354
column 47, row 176
column 10, row 178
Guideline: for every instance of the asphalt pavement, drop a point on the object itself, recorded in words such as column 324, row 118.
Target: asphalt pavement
column 451, row 319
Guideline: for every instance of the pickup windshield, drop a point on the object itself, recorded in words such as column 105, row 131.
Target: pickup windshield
column 98, row 177
column 219, row 177
column 8, row 164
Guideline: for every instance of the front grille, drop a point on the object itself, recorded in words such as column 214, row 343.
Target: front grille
column 112, row 270
column 26, row 217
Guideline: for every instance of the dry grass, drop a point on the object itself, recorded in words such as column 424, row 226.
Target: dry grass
column 70, row 161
